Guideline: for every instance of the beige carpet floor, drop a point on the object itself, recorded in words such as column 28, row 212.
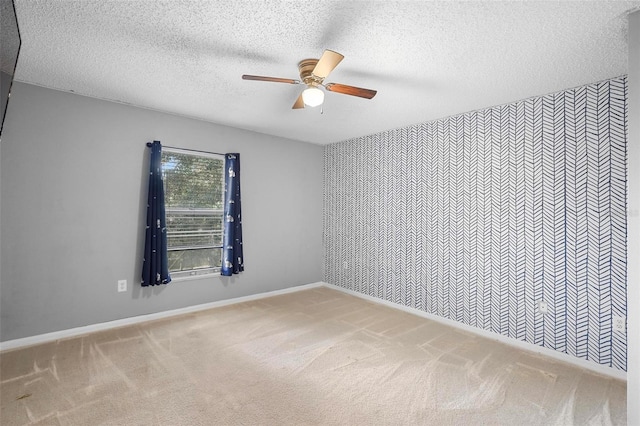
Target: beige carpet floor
column 315, row 357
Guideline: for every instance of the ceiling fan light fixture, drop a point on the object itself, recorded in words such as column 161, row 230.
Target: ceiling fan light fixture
column 312, row 74
column 312, row 96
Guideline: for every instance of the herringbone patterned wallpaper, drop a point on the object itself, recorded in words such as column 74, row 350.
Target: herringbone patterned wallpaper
column 478, row 217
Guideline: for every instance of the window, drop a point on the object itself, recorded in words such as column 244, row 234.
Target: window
column 194, row 202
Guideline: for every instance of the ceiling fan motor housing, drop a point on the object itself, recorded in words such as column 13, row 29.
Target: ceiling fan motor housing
column 306, row 67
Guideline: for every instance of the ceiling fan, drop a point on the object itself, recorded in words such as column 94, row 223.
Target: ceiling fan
column 312, row 73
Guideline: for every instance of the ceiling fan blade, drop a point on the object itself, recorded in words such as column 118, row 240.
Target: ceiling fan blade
column 327, row 63
column 271, row 79
column 351, row 90
column 299, row 103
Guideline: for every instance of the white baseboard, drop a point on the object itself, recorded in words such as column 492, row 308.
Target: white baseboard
column 72, row 332
column 560, row 356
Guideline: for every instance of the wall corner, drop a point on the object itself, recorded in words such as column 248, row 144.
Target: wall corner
column 633, row 226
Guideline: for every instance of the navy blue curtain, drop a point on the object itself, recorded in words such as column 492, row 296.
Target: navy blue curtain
column 232, row 260
column 155, row 266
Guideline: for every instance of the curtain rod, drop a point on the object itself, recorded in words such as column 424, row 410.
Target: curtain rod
column 186, row 149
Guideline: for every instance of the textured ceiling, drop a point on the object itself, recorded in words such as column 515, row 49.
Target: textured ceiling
column 8, row 37
column 426, row 59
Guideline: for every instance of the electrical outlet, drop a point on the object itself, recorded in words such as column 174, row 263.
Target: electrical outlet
column 619, row 323
column 122, row 285
column 543, row 307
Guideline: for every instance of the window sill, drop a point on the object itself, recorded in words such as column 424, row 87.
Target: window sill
column 196, row 277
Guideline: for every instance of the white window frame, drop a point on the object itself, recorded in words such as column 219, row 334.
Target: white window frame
column 196, row 273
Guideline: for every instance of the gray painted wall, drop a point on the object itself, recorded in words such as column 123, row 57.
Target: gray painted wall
column 5, row 85
column 74, row 177
column 633, row 289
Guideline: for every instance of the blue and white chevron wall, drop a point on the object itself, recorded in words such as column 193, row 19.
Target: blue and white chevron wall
column 478, row 217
